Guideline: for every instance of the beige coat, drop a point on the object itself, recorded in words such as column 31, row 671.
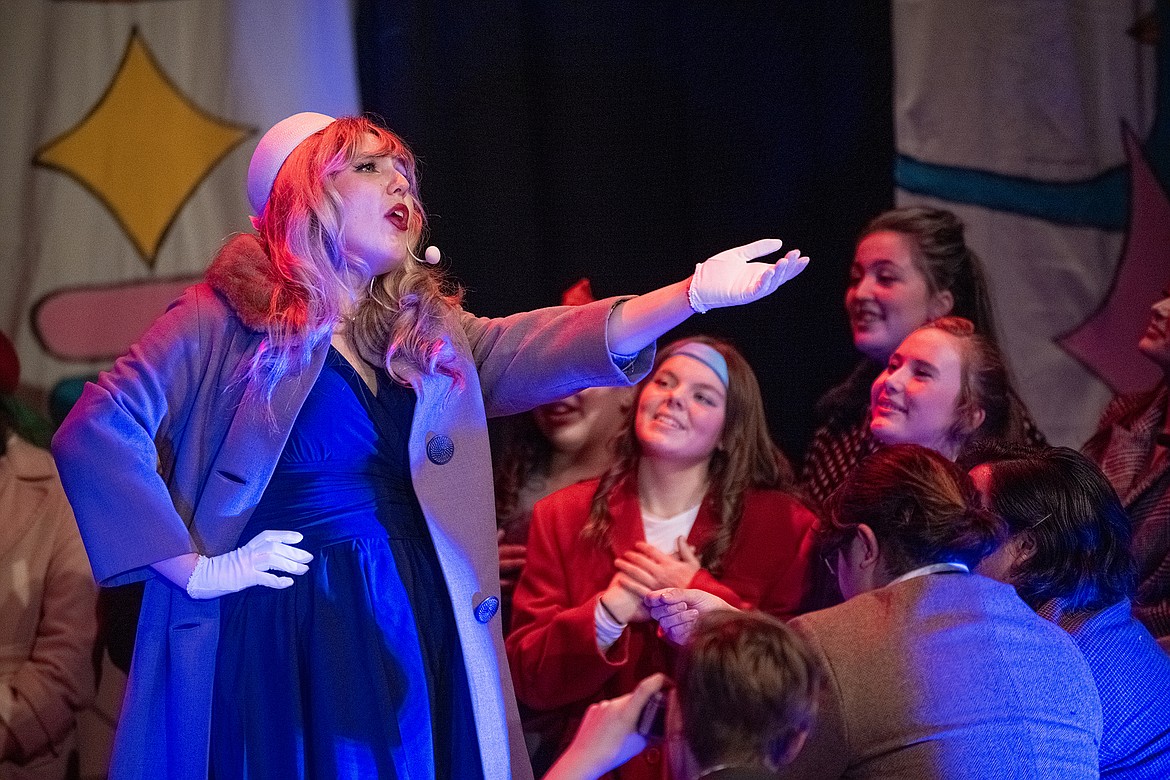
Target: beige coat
column 175, row 400
column 48, row 618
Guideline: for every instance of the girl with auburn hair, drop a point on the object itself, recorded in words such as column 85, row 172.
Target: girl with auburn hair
column 318, row 409
column 1067, row 555
column 927, row 664
column 945, row 387
column 698, row 497
column 912, row 265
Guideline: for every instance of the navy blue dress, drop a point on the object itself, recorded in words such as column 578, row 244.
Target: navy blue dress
column 356, row 670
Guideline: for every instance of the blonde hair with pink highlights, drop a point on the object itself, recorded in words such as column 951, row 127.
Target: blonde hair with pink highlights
column 401, row 314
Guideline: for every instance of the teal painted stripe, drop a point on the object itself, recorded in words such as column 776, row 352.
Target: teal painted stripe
column 1101, row 202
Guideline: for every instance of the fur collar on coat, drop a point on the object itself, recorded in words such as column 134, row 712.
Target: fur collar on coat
column 244, row 274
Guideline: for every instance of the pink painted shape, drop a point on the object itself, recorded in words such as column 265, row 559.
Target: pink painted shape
column 1107, row 341
column 100, row 323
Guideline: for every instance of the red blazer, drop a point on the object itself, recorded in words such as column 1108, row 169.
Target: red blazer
column 552, row 649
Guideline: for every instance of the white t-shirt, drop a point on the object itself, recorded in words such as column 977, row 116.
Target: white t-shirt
column 661, row 533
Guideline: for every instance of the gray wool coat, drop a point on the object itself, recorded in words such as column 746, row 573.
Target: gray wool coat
column 164, row 455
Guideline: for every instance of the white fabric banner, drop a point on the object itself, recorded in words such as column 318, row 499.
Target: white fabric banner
column 1011, row 114
column 127, row 129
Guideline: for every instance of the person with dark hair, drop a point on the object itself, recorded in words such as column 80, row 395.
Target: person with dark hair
column 555, row 445
column 931, row 671
column 551, row 447
column 295, row 458
column 912, row 265
column 743, row 701
column 1068, row 557
column 535, row 454
column 542, row 451
column 1132, row 447
column 699, row 496
column 945, row 387
column 49, row 598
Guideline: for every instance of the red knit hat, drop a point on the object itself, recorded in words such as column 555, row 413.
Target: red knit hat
column 9, row 366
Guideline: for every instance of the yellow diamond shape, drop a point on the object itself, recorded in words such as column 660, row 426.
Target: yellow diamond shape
column 143, row 149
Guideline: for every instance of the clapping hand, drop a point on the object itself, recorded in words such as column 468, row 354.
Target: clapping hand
column 678, row 609
column 622, row 599
column 650, row 567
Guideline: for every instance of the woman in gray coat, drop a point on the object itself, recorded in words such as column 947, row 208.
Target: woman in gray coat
column 317, row 408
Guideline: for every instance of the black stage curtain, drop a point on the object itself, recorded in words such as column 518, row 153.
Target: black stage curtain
column 625, row 141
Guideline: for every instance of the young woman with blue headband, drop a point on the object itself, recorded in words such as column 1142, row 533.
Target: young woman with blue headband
column 698, row 497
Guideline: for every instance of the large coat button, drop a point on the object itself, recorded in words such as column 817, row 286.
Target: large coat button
column 487, row 609
column 440, row 449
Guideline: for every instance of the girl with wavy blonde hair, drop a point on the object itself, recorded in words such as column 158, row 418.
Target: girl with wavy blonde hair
column 398, row 314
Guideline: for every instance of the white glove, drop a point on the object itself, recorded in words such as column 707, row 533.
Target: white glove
column 728, row 279
column 249, row 565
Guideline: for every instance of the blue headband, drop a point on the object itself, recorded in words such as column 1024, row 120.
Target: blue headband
column 705, row 354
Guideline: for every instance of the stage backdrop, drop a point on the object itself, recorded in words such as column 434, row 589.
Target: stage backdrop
column 1043, row 124
column 627, row 141
column 127, row 129
column 619, row 141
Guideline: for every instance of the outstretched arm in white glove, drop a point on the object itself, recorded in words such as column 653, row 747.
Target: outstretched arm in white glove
column 207, row 578
column 729, row 278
